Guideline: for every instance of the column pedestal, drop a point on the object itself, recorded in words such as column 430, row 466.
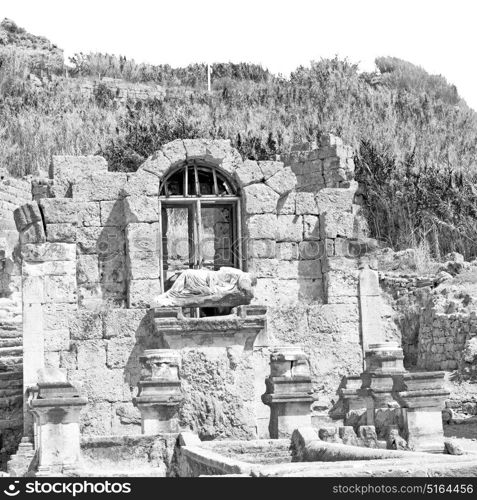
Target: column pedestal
column 423, row 400
column 288, row 392
column 159, row 393
column 56, row 411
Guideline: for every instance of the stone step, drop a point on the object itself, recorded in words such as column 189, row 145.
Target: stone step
column 10, row 363
column 7, row 423
column 11, row 375
column 11, row 351
column 10, row 330
column 7, row 392
column 11, row 401
column 11, row 341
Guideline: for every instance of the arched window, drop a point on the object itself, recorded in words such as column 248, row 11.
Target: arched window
column 200, row 220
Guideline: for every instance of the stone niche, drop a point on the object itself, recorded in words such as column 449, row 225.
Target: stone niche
column 97, row 246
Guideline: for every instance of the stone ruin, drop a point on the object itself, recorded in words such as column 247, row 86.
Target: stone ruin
column 236, row 300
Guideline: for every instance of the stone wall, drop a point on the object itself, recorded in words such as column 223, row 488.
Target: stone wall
column 447, row 341
column 120, row 90
column 13, row 192
column 409, row 294
column 90, row 248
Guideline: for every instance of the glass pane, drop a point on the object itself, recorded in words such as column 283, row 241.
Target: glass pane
column 177, row 241
column 206, row 181
column 174, row 185
column 217, row 236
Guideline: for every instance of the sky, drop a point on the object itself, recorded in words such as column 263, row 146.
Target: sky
column 438, row 35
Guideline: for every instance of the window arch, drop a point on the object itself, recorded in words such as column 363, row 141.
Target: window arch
column 200, row 220
column 197, row 178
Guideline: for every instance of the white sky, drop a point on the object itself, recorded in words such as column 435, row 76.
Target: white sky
column 435, row 34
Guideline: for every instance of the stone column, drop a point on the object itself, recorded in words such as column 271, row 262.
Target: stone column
column 288, row 391
column 159, row 393
column 370, row 308
column 56, row 410
column 423, row 398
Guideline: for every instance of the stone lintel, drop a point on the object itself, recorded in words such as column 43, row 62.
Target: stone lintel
column 218, row 331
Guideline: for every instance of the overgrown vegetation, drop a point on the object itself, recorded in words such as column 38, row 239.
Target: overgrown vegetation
column 416, row 140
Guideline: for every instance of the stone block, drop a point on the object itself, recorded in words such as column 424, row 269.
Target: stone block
column 260, row 199
column 86, row 325
column 91, row 354
column 289, row 228
column 283, row 181
column 141, row 292
column 100, row 187
column 270, row 168
column 34, row 233
column 310, row 290
column 141, row 183
column 340, row 200
column 57, row 340
column 68, row 358
column 262, row 226
column 249, row 173
column 141, row 209
column 58, row 316
column 262, row 249
column 112, row 269
column 175, row 151
column 306, row 204
column 143, row 265
column 287, row 250
column 142, row 237
column 60, row 288
column 112, row 388
column 63, row 232
column 264, row 268
column 59, row 210
column 276, row 292
column 340, row 285
column 288, row 269
column 334, row 223
column 52, row 359
column 87, row 270
column 311, row 227
column 89, row 213
column 112, row 213
column 310, row 268
column 96, row 420
column 25, row 215
column 287, row 204
column 119, row 351
column 157, row 164
column 130, row 323
column 48, row 251
column 311, row 250
column 65, row 170
column 59, row 268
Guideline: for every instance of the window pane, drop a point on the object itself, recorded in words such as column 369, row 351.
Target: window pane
column 176, row 243
column 217, row 236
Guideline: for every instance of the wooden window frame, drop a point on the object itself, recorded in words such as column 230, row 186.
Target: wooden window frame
column 194, row 202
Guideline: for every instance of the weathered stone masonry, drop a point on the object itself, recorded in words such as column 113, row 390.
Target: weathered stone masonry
column 90, row 264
